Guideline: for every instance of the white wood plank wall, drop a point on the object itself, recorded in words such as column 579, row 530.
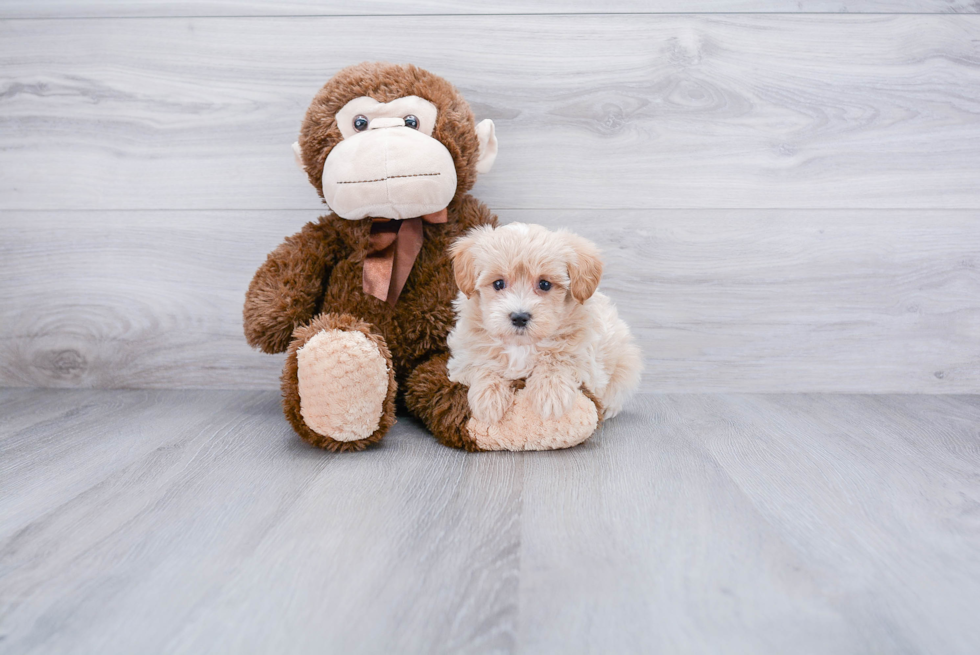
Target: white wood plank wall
column 788, row 194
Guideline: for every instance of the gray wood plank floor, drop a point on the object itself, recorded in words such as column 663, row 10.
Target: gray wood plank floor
column 788, row 198
column 196, row 521
column 765, row 301
column 596, row 112
column 182, row 8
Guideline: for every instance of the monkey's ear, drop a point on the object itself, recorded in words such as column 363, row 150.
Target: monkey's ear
column 488, row 145
column 584, row 269
column 298, row 156
column 464, row 264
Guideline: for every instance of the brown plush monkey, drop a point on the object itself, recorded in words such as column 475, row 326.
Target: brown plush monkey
column 362, row 299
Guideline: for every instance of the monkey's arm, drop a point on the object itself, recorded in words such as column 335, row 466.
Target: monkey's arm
column 287, row 288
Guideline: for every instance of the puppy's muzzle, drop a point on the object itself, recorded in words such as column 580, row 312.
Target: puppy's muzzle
column 520, row 319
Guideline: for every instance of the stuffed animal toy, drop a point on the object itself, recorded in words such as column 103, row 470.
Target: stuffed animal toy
column 361, row 300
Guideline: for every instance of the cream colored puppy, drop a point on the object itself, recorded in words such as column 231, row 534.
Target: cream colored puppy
column 528, row 308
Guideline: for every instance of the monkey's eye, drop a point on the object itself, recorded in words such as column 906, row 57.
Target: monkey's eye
column 498, row 285
column 360, row 122
column 544, row 285
column 412, row 122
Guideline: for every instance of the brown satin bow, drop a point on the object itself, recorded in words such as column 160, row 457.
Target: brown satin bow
column 394, row 246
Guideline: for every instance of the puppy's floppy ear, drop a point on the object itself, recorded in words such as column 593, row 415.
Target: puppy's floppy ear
column 464, row 262
column 584, row 267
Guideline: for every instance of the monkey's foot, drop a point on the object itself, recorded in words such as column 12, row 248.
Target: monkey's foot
column 339, row 384
column 522, row 428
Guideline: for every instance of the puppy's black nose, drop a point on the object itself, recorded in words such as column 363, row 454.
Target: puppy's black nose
column 520, row 319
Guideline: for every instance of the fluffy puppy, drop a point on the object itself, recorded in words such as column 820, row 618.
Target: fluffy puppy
column 528, row 308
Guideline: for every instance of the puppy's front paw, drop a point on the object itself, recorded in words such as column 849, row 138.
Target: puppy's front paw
column 489, row 399
column 552, row 395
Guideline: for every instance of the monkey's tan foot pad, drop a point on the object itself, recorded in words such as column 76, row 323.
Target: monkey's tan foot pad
column 343, row 382
column 522, row 428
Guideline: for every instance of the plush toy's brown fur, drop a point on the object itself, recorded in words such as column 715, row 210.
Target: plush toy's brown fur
column 290, row 388
column 455, row 127
column 313, row 281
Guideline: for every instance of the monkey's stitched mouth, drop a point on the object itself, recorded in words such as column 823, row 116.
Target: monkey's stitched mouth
column 390, row 177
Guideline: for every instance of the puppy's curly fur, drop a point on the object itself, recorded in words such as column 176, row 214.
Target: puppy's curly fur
column 528, row 308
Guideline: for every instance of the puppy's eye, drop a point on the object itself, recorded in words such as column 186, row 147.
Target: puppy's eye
column 412, row 122
column 544, row 285
column 498, row 285
column 360, row 123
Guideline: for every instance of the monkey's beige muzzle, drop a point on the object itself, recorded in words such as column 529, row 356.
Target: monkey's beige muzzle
column 388, row 171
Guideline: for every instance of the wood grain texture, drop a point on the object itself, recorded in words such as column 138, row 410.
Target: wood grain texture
column 680, row 527
column 669, row 111
column 859, row 301
column 187, row 8
column 195, row 521
column 132, row 517
column 133, row 299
